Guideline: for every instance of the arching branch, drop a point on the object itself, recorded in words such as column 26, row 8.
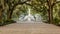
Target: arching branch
column 55, row 3
column 11, row 9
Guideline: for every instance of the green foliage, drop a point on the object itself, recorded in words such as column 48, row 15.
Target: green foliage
column 7, row 22
column 57, row 21
column 19, row 7
column 56, row 14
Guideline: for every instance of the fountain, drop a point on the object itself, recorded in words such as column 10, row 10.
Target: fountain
column 38, row 17
column 29, row 17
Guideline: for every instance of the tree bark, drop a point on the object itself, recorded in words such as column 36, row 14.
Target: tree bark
column 1, row 9
column 50, row 12
column 0, row 14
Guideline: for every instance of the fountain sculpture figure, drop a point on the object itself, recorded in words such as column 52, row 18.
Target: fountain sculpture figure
column 29, row 17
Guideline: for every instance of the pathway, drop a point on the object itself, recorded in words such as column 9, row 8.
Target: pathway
column 30, row 28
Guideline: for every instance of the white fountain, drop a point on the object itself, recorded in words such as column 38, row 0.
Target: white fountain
column 29, row 17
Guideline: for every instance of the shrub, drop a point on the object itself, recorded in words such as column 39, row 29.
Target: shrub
column 7, row 22
column 57, row 21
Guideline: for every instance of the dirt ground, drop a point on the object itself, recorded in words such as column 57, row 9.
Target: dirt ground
column 30, row 28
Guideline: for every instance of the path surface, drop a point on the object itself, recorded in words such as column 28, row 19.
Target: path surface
column 32, row 28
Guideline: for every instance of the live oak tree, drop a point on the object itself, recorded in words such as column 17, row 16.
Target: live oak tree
column 43, row 6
